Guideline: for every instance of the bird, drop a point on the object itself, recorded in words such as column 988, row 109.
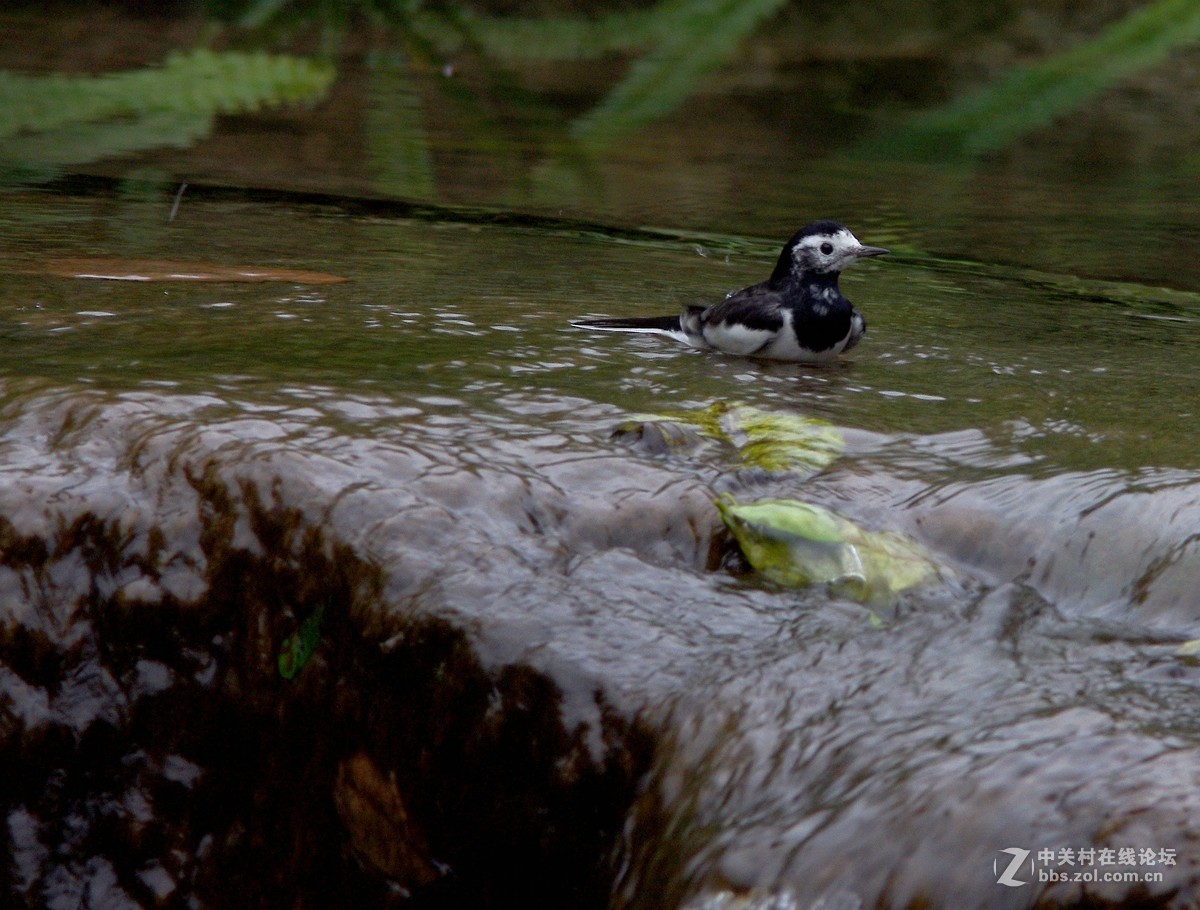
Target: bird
column 798, row 314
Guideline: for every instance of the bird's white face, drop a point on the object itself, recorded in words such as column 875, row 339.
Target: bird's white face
column 827, row 252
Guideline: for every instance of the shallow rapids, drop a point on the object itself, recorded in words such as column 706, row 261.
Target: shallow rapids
column 535, row 634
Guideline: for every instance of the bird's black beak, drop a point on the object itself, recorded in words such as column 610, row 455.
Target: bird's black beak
column 864, row 251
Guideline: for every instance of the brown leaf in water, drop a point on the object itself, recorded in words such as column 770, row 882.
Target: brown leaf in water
column 157, row 270
column 369, row 803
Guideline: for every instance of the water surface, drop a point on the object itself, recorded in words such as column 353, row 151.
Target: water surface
column 537, row 633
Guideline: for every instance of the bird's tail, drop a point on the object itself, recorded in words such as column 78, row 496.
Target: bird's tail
column 669, row 326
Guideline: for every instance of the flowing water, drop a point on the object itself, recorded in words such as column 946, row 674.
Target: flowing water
column 537, row 673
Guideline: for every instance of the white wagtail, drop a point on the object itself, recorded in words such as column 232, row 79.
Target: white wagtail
column 799, row 313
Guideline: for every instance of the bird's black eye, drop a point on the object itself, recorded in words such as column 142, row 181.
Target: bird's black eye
column 827, row 248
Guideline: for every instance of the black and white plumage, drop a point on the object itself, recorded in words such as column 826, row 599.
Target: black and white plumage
column 799, row 313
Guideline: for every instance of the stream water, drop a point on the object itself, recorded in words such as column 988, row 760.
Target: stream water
column 541, row 677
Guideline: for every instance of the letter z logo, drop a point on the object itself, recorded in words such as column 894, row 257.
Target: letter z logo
column 1007, row 877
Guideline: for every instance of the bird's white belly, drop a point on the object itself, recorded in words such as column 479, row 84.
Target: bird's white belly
column 737, row 339
column 787, row 349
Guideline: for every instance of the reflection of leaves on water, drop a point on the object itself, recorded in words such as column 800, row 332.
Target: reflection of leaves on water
column 701, row 35
column 687, row 39
column 56, row 120
column 680, row 42
column 40, row 156
column 683, row 40
column 548, row 39
column 1030, row 97
column 401, row 159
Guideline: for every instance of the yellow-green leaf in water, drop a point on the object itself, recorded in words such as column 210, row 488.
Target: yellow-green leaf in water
column 299, row 647
column 783, row 442
column 766, row 440
column 798, row 544
column 1189, row 649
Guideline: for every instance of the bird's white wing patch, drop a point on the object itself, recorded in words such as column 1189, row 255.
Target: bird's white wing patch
column 733, row 338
